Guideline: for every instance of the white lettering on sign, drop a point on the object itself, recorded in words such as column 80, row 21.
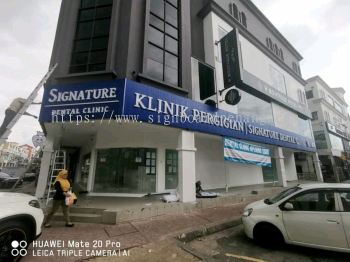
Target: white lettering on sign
column 81, row 95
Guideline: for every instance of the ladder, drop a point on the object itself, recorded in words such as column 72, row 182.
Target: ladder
column 57, row 164
column 28, row 102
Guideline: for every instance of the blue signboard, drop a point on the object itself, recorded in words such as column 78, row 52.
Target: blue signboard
column 241, row 152
column 107, row 100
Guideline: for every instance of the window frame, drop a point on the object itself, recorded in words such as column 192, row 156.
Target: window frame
column 89, row 64
column 165, row 51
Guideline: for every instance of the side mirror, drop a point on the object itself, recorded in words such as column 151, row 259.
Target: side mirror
column 288, row 206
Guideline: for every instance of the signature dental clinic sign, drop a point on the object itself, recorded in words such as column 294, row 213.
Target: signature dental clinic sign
column 241, row 152
column 154, row 106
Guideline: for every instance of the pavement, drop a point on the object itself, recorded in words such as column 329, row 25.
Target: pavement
column 139, row 240
column 232, row 245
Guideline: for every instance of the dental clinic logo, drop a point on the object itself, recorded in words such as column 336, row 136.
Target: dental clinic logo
column 19, row 248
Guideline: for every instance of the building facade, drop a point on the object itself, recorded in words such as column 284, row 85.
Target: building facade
column 330, row 123
column 138, row 98
column 14, row 155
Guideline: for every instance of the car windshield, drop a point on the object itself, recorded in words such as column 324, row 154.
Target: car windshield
column 281, row 195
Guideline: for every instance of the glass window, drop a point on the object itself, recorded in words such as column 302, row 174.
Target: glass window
column 81, row 45
column 91, row 34
column 171, row 169
column 171, row 45
column 154, row 69
column 125, row 170
column 157, row 8
column 103, row 12
column 321, row 201
column 206, row 81
column 345, row 199
column 162, row 52
column 156, row 22
column 156, row 37
column 309, row 94
column 314, row 115
column 87, row 14
column 336, row 142
column 255, row 108
column 320, row 140
column 283, row 194
column 101, row 27
column 84, row 30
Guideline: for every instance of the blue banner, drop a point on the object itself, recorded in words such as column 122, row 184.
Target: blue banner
column 110, row 99
column 241, row 152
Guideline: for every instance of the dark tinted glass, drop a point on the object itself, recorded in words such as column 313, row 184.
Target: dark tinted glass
column 156, row 37
column 97, row 57
column 97, row 67
column 173, row 2
column 157, row 8
column 103, row 12
column 99, row 43
column 171, row 31
column 101, row 27
column 87, row 3
column 170, row 75
column 79, row 58
column 155, row 53
column 171, row 45
column 84, row 30
column 171, row 60
column 81, row 45
column 155, row 69
column 104, row 2
column 171, row 15
column 87, row 14
column 321, row 201
column 77, row 69
column 345, row 200
column 156, row 22
column 206, row 81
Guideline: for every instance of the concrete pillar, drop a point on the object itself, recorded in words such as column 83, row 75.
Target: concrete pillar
column 160, row 181
column 44, row 167
column 317, row 165
column 334, row 167
column 92, row 170
column 187, row 166
column 280, row 168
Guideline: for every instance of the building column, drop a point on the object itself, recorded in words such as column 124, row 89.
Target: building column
column 187, row 166
column 317, row 165
column 44, row 167
column 280, row 168
column 160, row 181
column 334, row 167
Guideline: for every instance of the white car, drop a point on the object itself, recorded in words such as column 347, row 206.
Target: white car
column 21, row 220
column 312, row 215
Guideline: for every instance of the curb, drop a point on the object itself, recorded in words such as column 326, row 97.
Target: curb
column 208, row 229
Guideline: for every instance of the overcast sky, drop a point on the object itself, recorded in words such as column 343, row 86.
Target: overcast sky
column 319, row 29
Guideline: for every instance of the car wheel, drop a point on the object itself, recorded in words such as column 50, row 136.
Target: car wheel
column 14, row 238
column 268, row 235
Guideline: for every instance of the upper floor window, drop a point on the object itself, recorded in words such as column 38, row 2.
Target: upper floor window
column 309, row 94
column 301, row 97
column 296, row 68
column 314, row 115
column 274, row 48
column 239, row 16
column 91, row 37
column 162, row 55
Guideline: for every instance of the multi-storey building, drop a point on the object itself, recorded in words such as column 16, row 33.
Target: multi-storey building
column 13, row 155
column 160, row 64
column 330, row 123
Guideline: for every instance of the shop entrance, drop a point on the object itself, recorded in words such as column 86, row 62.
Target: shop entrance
column 126, row 170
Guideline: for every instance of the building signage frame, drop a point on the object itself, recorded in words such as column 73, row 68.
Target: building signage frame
column 153, row 106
